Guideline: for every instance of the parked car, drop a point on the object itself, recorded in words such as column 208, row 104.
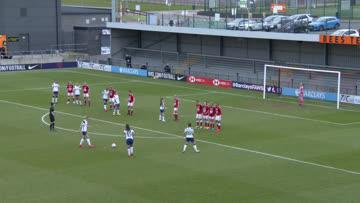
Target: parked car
column 347, row 32
column 254, row 25
column 301, row 18
column 325, row 23
column 234, row 25
column 275, row 23
column 298, row 23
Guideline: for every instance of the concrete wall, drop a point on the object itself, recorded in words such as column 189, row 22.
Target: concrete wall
column 73, row 16
column 37, row 22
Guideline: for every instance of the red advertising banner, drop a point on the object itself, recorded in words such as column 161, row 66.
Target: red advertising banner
column 210, row 82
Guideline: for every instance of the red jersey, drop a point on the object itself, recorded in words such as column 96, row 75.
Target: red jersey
column 176, row 103
column 212, row 111
column 85, row 89
column 301, row 91
column 206, row 110
column 131, row 98
column 199, row 109
column 112, row 93
column 70, row 88
column 218, row 111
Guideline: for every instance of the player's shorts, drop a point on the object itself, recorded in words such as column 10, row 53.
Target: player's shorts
column 105, row 101
column 117, row 106
column 206, row 117
column 56, row 94
column 175, row 110
column 199, row 116
column 130, row 104
column 70, row 94
column 52, row 118
column 218, row 118
column 77, row 95
column 212, row 118
column 190, row 140
column 162, row 110
column 86, row 95
column 129, row 142
column 112, row 100
column 84, row 134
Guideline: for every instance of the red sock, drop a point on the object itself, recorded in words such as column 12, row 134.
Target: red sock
column 128, row 112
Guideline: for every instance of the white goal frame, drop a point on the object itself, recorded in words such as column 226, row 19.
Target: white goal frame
column 304, row 69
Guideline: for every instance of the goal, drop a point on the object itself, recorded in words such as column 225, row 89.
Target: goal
column 319, row 84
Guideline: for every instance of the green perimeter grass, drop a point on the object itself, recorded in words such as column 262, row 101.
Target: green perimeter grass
column 38, row 166
column 144, row 6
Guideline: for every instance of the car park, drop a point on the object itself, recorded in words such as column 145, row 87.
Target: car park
column 325, row 23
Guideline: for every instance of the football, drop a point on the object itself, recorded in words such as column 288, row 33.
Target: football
column 113, row 145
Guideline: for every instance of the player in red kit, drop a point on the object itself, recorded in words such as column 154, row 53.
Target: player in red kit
column 218, row 114
column 176, row 108
column 212, row 113
column 131, row 101
column 86, row 94
column 70, row 92
column 112, row 93
column 199, row 114
column 206, row 110
column 301, row 94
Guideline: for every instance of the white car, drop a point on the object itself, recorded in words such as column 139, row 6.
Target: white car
column 346, row 32
column 253, row 25
column 234, row 25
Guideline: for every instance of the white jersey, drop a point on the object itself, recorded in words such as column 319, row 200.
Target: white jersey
column 189, row 132
column 162, row 105
column 77, row 89
column 129, row 134
column 84, row 126
column 105, row 94
column 116, row 99
column 55, row 87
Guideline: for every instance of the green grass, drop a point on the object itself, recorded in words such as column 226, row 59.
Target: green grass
column 144, row 6
column 38, row 166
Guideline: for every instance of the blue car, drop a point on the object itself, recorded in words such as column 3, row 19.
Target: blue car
column 325, row 23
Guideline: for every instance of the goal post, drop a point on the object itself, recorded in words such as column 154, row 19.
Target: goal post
column 337, row 75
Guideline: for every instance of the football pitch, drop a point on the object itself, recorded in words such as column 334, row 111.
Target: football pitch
column 268, row 151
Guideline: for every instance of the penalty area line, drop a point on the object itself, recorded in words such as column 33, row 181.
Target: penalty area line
column 264, row 154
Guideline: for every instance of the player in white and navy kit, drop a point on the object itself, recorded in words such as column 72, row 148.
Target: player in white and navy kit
column 77, row 90
column 129, row 138
column 55, row 89
column 84, row 136
column 189, row 138
column 116, row 105
column 162, row 110
column 105, row 97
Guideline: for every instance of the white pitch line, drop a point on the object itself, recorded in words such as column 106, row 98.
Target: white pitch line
column 208, row 142
column 96, row 133
column 209, row 91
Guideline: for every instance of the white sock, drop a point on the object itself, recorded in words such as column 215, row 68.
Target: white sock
column 88, row 141
column 132, row 150
column 160, row 117
column 80, row 102
column 104, row 107
column 184, row 148
column 195, row 148
column 129, row 152
column 81, row 141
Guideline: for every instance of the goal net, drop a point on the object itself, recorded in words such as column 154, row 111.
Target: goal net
column 319, row 84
